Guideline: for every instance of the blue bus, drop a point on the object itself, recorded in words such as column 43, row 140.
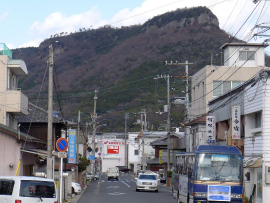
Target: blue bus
column 209, row 174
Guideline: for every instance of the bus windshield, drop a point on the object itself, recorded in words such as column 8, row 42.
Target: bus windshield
column 218, row 167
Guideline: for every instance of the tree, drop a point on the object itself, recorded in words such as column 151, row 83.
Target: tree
column 82, row 163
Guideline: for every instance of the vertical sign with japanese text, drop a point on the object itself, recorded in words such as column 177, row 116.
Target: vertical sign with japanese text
column 210, row 129
column 72, row 146
column 160, row 156
column 236, row 122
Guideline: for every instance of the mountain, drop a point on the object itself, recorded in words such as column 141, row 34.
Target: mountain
column 121, row 63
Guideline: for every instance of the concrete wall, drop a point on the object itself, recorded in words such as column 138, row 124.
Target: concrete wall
column 206, row 76
column 3, row 80
column 10, row 154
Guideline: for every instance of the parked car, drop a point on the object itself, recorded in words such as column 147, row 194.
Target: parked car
column 96, row 176
column 163, row 180
column 147, row 182
column 76, row 188
column 123, row 169
column 28, row 189
column 89, row 176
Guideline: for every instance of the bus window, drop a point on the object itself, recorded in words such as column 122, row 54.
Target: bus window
column 218, row 167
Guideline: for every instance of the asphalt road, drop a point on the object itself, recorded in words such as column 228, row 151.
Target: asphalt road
column 123, row 191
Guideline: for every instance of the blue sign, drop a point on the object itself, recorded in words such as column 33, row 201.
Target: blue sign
column 72, row 146
column 99, row 154
column 219, row 193
column 91, row 157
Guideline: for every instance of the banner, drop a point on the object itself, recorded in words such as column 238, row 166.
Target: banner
column 210, row 129
column 160, row 157
column 236, row 122
column 72, row 146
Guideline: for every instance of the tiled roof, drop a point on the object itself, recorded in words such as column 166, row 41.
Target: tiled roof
column 37, row 115
column 23, row 136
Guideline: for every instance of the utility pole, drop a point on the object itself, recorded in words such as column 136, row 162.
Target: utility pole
column 187, row 109
column 262, row 27
column 50, row 116
column 77, row 141
column 142, row 128
column 187, row 97
column 126, row 136
column 94, row 130
column 168, row 116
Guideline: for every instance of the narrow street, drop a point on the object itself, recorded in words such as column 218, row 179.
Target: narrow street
column 123, row 191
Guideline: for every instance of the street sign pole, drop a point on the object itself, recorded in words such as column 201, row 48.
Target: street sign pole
column 61, row 180
column 61, row 145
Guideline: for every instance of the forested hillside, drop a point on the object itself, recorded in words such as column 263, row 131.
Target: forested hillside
column 121, row 63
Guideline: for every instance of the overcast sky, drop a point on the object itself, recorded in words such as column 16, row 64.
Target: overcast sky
column 27, row 23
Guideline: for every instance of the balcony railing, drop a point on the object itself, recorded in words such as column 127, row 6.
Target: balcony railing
column 4, row 50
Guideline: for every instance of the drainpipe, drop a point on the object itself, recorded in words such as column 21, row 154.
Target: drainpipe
column 5, row 93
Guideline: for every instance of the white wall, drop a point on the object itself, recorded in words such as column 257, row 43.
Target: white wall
column 112, row 160
column 232, row 55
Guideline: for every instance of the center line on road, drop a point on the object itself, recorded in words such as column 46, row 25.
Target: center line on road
column 98, row 186
column 125, row 184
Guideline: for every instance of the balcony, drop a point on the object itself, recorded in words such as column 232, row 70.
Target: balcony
column 16, row 103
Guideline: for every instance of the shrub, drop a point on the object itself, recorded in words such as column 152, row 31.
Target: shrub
column 169, row 173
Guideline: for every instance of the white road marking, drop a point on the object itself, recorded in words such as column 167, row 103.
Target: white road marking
column 113, row 187
column 116, row 193
column 125, row 184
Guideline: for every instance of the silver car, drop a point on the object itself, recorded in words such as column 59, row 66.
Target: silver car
column 147, row 182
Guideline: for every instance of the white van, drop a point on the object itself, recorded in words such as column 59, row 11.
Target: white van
column 27, row 189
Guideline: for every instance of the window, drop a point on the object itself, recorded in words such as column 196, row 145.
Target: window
column 6, row 187
column 258, row 117
column 246, row 55
column 136, row 152
column 220, row 87
column 42, row 189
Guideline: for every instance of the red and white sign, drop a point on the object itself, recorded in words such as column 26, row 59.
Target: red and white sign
column 112, row 149
column 109, row 142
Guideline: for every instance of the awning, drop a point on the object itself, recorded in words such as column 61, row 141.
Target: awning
column 41, row 152
column 252, row 162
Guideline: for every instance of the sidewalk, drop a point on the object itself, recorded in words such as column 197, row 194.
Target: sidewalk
column 77, row 197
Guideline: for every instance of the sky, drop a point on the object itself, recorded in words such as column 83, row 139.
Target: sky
column 27, row 23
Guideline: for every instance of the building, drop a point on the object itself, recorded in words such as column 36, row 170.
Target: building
column 136, row 146
column 242, row 120
column 241, row 62
column 14, row 103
